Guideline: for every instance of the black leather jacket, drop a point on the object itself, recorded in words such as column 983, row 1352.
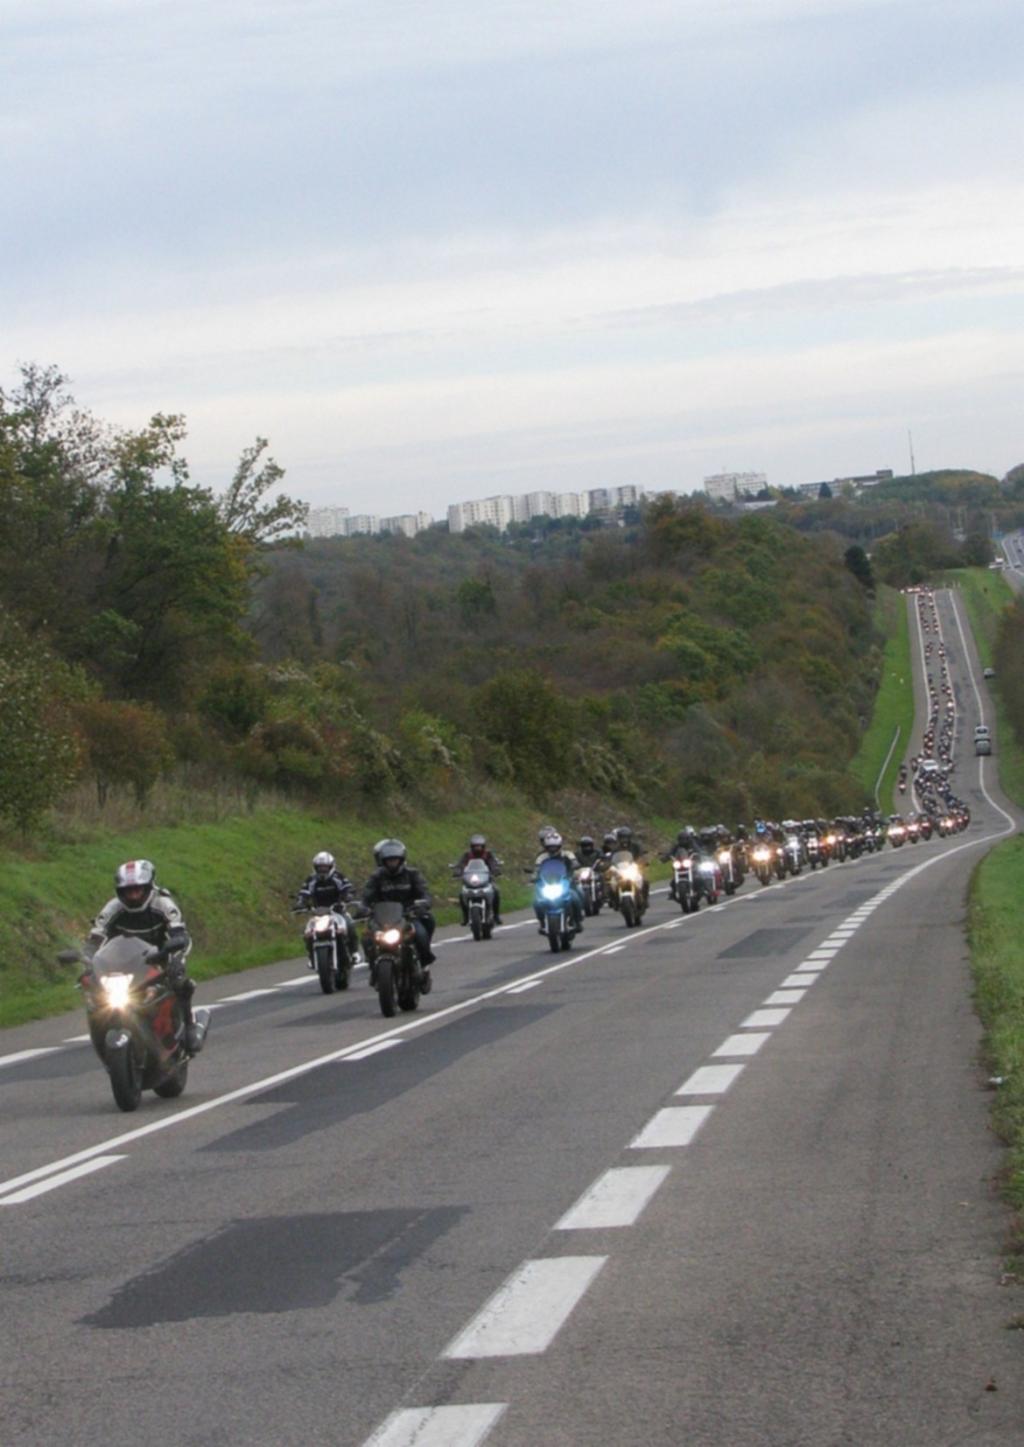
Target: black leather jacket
column 322, row 891
column 405, row 887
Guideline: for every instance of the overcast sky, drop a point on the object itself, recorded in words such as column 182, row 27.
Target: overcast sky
column 437, row 249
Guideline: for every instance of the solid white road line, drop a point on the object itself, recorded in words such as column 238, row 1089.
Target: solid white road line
column 615, row 1199
column 77, row 1040
column 528, row 985
column 20, row 1055
column 764, row 1019
column 675, row 1125
column 740, row 1045
column 524, row 1316
column 710, row 1080
column 438, row 1426
column 245, row 995
column 374, row 1049
column 52, row 1182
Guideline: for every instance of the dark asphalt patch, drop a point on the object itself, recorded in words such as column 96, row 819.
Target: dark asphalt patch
column 763, row 942
column 324, row 1098
column 69, row 1064
column 277, row 1264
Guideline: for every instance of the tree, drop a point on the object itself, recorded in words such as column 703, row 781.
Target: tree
column 39, row 755
column 824, row 491
column 242, row 508
column 856, row 559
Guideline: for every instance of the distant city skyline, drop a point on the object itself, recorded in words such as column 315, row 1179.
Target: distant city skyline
column 465, row 248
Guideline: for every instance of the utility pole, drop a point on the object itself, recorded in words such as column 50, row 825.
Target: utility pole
column 910, row 443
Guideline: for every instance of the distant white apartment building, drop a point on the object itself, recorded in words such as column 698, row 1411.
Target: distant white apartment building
column 727, row 486
column 836, row 484
column 362, row 522
column 409, row 523
column 326, row 522
column 496, row 512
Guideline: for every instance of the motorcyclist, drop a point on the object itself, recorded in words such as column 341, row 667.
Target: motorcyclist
column 394, row 881
column 144, row 911
column 587, row 852
column 328, row 888
column 553, row 847
column 478, row 849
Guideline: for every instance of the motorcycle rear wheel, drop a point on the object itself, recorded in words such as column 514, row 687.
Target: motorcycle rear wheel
column 173, row 1085
column 125, row 1078
column 386, row 992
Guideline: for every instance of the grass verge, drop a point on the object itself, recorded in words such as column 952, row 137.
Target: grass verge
column 994, row 918
column 894, row 703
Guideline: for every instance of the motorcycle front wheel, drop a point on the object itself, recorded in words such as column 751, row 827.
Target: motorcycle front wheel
column 125, row 1078
column 629, row 912
column 325, row 969
column 386, row 992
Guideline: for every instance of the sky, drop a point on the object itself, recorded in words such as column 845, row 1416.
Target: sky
column 440, row 249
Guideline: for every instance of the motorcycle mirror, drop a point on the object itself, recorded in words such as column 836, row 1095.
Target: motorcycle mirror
column 69, row 957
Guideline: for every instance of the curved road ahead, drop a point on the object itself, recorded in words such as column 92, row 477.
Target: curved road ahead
column 724, row 1179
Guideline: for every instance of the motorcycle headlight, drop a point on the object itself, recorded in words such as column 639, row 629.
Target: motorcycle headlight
column 117, row 989
column 762, row 854
column 724, row 857
column 552, row 891
column 630, row 871
column 585, row 873
column 322, row 925
column 707, row 867
column 390, row 937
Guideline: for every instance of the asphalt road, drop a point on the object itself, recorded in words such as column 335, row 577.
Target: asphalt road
column 725, row 1179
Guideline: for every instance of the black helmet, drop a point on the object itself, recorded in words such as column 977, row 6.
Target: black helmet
column 623, row 832
column 609, row 841
column 323, row 863
column 586, row 844
column 390, row 849
column 134, row 883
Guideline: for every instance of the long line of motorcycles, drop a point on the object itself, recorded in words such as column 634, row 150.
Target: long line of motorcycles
column 138, row 1028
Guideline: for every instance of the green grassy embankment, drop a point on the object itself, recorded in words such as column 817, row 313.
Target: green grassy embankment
column 996, row 912
column 234, row 879
column 894, row 702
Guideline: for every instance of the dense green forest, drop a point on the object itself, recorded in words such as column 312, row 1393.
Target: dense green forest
column 723, row 664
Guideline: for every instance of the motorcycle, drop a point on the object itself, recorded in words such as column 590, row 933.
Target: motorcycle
column 792, row 854
column 897, row 835
column 627, row 885
column 762, row 859
column 591, row 886
column 136, row 1021
column 477, row 898
column 814, row 854
column 553, row 900
column 396, row 967
column 731, row 877
column 327, row 948
column 709, row 878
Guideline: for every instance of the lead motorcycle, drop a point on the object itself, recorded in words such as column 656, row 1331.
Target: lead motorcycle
column 685, row 887
column 136, row 1021
column 591, row 886
column 762, row 859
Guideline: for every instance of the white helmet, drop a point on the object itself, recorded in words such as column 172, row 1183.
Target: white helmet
column 323, row 863
column 134, row 883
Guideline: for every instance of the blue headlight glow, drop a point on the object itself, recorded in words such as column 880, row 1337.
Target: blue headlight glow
column 552, row 891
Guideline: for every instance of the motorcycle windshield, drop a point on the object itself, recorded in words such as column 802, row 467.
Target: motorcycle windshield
column 622, row 856
column 387, row 913
column 552, row 871
column 122, row 956
column 476, row 876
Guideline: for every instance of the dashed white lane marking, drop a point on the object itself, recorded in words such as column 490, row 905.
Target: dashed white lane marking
column 675, row 1125
column 811, row 967
column 785, row 997
column 764, row 1019
column 20, row 1055
column 52, row 1182
column 374, row 1049
column 824, row 953
column 710, row 1080
column 527, row 985
column 615, row 1199
column 740, row 1045
column 524, row 1316
column 438, row 1426
column 800, row 981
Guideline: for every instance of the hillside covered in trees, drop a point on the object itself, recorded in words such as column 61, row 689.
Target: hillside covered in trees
column 720, row 665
